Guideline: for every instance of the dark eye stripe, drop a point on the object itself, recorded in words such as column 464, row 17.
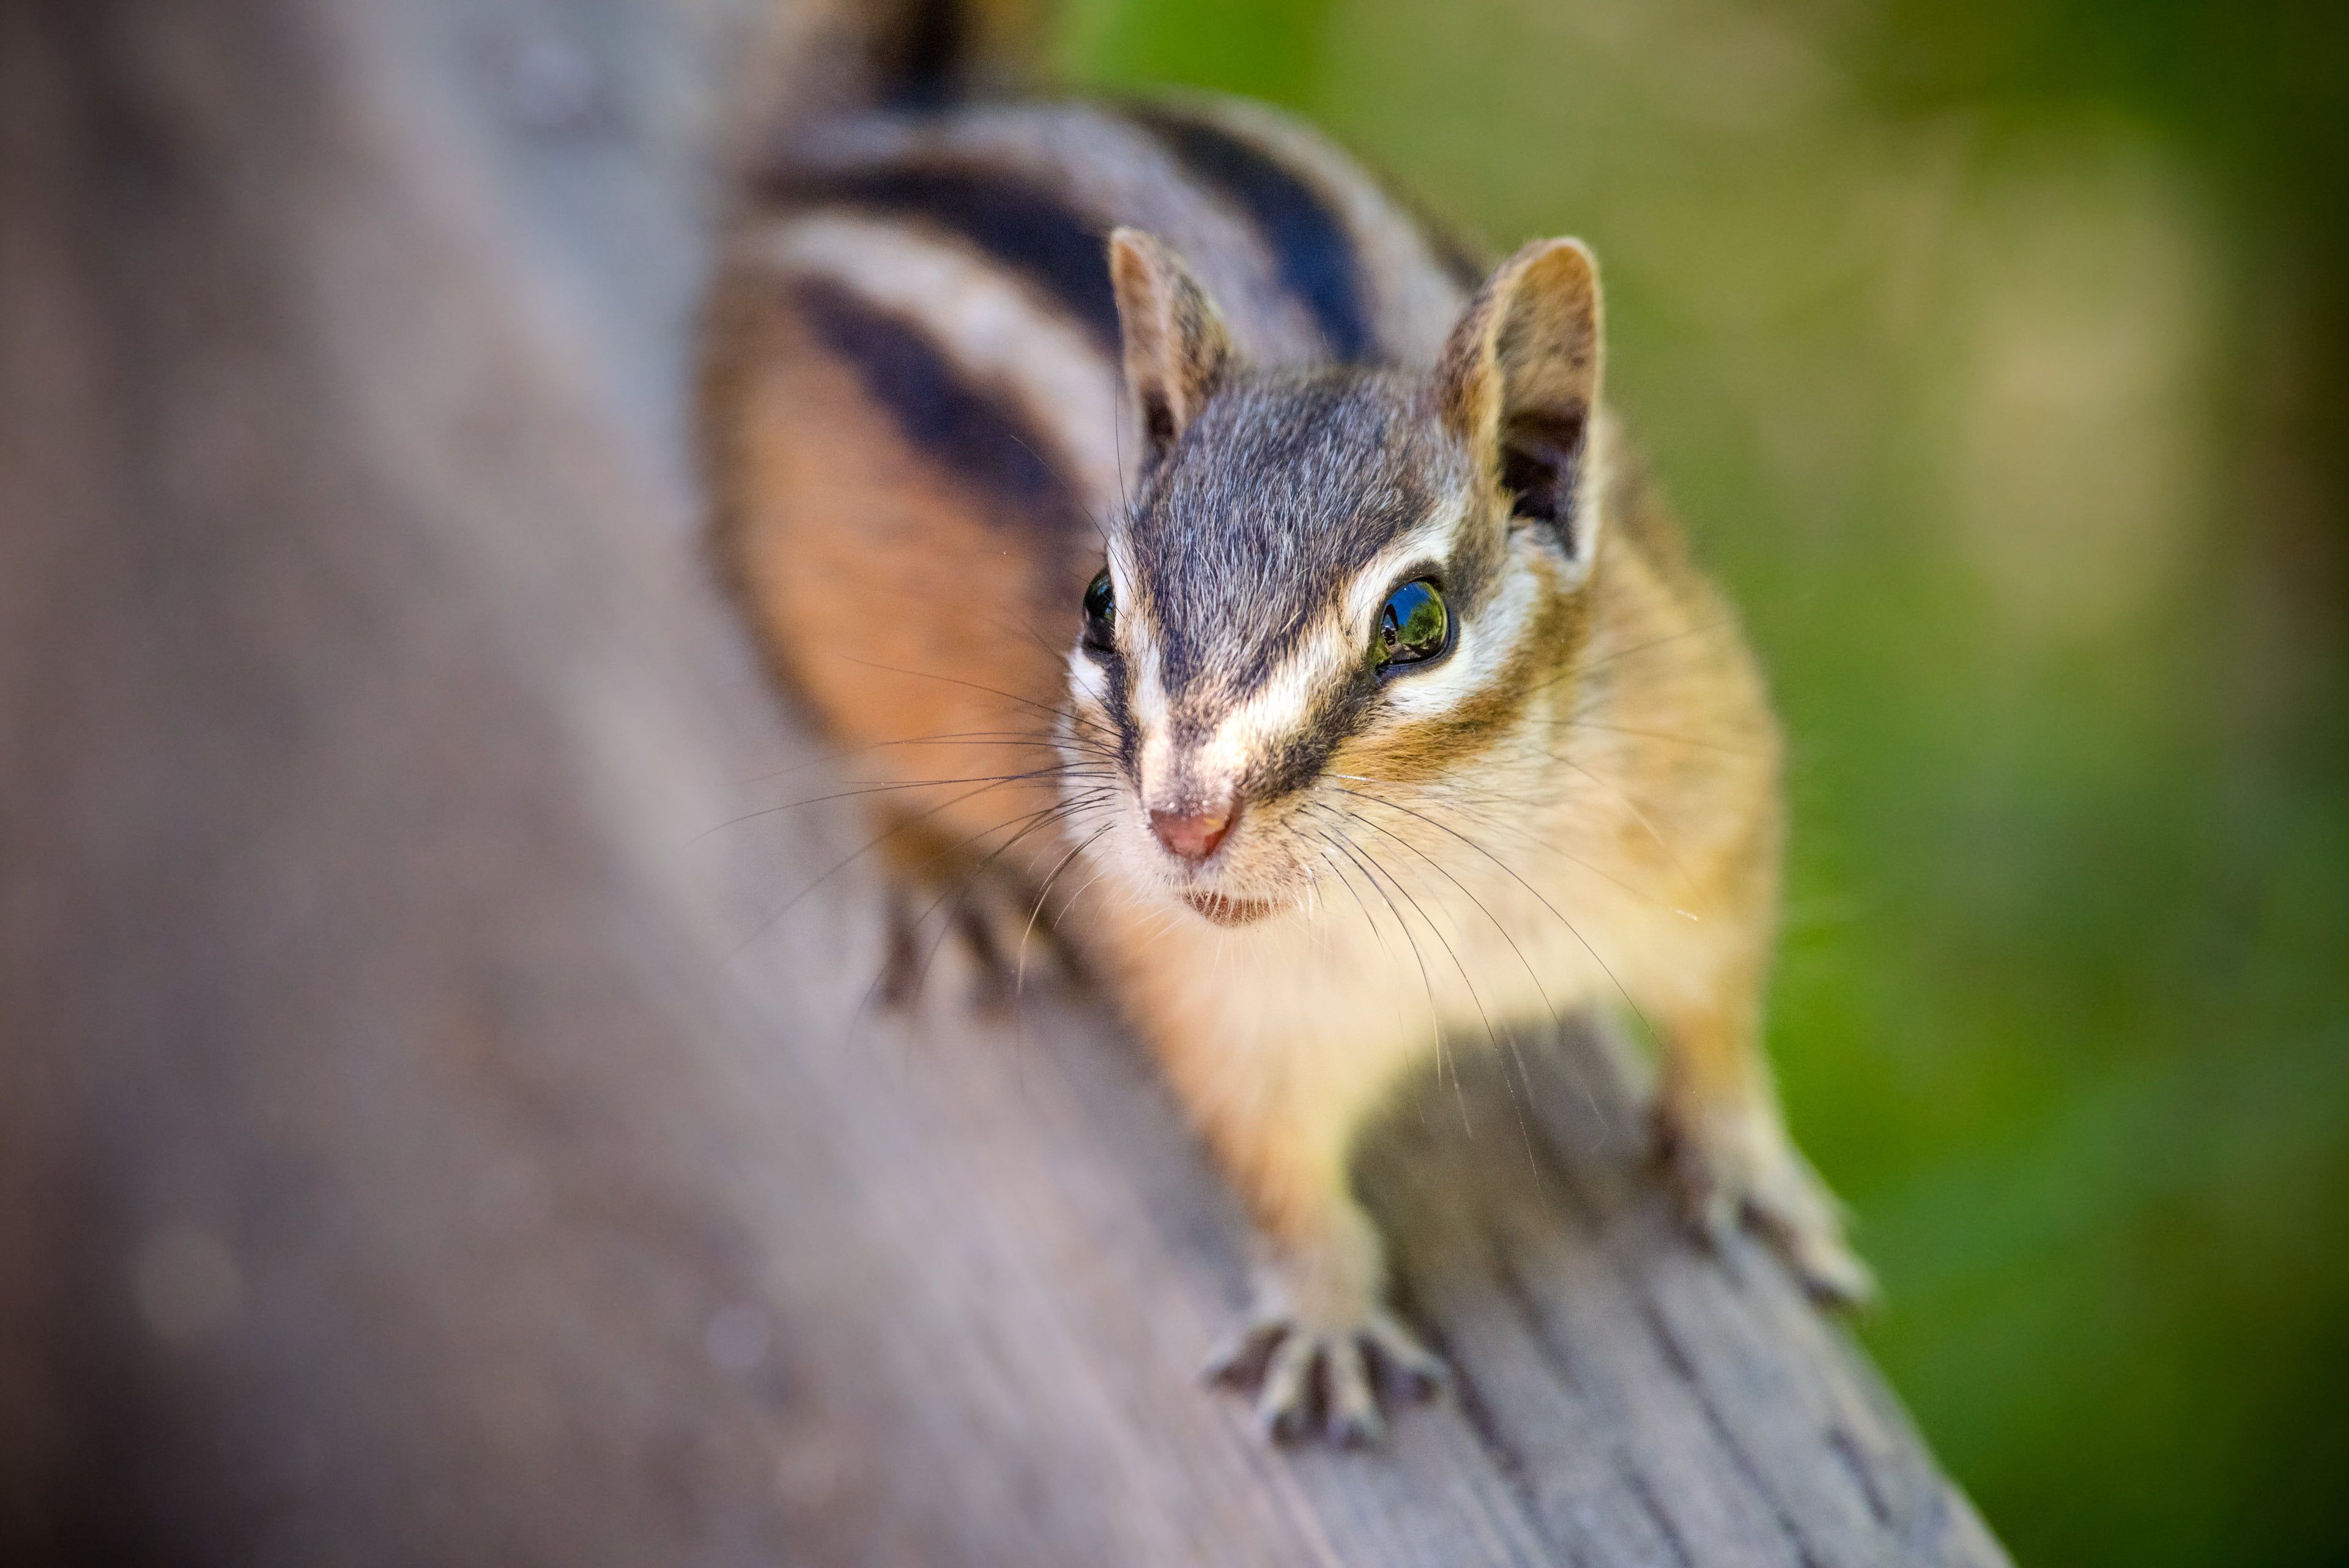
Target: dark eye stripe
column 1312, row 247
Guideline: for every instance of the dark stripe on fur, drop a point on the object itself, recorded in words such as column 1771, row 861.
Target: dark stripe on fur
column 1021, row 227
column 972, row 436
column 1299, row 760
column 1284, row 489
column 1315, row 254
column 921, row 63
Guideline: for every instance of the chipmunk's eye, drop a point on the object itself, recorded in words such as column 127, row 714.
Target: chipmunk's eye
column 1413, row 627
column 1101, row 615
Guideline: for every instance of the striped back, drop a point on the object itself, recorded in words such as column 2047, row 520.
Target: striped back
column 973, row 241
column 931, row 431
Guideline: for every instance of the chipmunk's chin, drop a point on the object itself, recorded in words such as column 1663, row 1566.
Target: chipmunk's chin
column 1223, row 909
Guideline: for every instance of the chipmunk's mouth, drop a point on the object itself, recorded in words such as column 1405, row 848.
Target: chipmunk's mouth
column 1226, row 911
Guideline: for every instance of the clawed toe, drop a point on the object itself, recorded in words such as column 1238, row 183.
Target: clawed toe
column 1326, row 1382
column 1723, row 1183
column 1829, row 1270
column 1421, row 1370
column 1284, row 1404
column 1353, row 1421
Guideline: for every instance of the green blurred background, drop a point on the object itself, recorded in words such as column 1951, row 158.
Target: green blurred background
column 1995, row 354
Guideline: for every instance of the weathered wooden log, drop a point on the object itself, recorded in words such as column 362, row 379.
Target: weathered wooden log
column 416, row 1145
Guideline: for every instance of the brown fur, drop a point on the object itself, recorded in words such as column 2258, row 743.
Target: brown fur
column 926, row 661
column 1433, row 748
column 1626, row 723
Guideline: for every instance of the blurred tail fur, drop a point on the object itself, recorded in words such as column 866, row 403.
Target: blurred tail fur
column 831, row 56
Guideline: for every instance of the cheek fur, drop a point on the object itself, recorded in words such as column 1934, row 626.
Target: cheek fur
column 1438, row 722
column 1088, row 683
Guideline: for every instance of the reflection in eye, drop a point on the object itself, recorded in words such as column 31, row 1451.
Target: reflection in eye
column 1413, row 627
column 1101, row 613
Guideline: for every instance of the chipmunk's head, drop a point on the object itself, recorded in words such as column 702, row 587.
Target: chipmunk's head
column 1333, row 585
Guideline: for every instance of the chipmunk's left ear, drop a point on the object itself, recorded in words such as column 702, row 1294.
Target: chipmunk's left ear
column 1518, row 383
column 1177, row 349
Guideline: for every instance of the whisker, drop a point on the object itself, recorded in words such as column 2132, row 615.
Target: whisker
column 1055, row 713
column 1524, row 1130
column 1027, row 737
column 1082, row 888
column 1370, row 866
column 1347, row 883
column 960, row 891
column 1434, row 1022
column 1063, row 769
column 1354, row 852
column 1465, row 892
column 1576, row 724
column 869, row 846
column 1021, row 624
column 1596, row 665
column 1553, row 848
column 1020, row 980
column 1466, row 980
column 1628, row 804
column 1537, row 893
column 985, row 737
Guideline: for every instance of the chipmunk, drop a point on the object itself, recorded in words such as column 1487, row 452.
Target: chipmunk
column 1219, row 559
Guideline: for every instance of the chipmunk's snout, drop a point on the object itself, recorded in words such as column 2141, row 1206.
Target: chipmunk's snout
column 1193, row 834
column 1190, row 795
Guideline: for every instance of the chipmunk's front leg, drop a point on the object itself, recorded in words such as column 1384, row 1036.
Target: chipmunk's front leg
column 1320, row 1334
column 1726, row 1143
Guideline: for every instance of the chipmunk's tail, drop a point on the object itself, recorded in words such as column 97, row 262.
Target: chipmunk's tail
column 837, row 56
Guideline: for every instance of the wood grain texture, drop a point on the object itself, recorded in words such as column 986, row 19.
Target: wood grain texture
column 420, row 1141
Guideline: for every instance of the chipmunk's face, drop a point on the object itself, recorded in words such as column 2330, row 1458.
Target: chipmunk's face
column 1330, row 582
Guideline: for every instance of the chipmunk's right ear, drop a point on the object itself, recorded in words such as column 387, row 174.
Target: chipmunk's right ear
column 1177, row 350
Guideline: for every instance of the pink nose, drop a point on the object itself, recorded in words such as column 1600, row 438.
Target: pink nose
column 1192, row 835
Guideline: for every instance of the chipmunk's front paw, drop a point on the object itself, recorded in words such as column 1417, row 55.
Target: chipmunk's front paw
column 986, row 937
column 1325, row 1378
column 1730, row 1165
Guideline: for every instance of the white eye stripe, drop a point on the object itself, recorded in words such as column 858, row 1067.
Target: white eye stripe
column 1329, row 650
column 1483, row 647
column 1430, row 541
column 1088, row 680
